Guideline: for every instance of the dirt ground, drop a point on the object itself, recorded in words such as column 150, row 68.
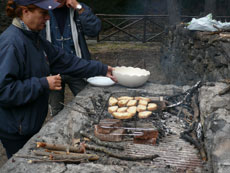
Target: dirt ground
column 143, row 55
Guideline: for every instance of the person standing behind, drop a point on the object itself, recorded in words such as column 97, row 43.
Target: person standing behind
column 68, row 25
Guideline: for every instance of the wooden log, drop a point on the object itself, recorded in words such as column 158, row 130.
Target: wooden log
column 195, row 108
column 65, row 156
column 120, row 156
column 59, row 147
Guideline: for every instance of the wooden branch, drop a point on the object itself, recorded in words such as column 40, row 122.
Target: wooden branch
column 45, row 159
column 62, row 156
column 30, row 157
column 59, row 147
column 99, row 142
column 195, row 108
column 65, row 161
column 120, row 156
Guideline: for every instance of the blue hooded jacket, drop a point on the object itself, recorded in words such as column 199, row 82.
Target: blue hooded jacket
column 26, row 60
column 87, row 24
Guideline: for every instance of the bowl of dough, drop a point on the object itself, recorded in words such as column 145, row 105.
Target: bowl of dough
column 130, row 76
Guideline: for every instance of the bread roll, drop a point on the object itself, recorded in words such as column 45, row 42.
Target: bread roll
column 144, row 114
column 132, row 103
column 125, row 98
column 143, row 98
column 122, row 115
column 112, row 109
column 112, row 101
column 122, row 103
column 122, row 109
column 143, row 102
column 152, row 106
column 141, row 108
column 132, row 110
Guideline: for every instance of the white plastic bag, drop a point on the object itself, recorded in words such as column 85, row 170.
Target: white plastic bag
column 207, row 24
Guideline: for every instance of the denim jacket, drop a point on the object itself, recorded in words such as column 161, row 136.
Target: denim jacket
column 87, row 24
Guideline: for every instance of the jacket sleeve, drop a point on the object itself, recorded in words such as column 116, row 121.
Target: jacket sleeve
column 14, row 89
column 69, row 64
column 91, row 24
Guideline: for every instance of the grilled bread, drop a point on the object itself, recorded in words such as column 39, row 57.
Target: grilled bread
column 112, row 101
column 141, row 108
column 143, row 98
column 132, row 110
column 122, row 103
column 143, row 102
column 122, row 115
column 132, row 103
column 125, row 98
column 144, row 114
column 122, row 109
column 152, row 106
column 112, row 109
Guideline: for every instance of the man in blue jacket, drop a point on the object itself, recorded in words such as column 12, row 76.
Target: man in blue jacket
column 67, row 27
column 26, row 62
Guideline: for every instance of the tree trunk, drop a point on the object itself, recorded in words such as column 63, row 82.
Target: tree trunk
column 173, row 12
column 210, row 7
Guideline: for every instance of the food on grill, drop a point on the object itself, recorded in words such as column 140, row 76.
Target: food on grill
column 132, row 103
column 143, row 102
column 122, row 103
column 122, row 115
column 152, row 106
column 132, row 110
column 112, row 109
column 144, row 114
column 143, row 98
column 112, row 101
column 141, row 108
column 122, row 109
column 126, row 107
column 125, row 98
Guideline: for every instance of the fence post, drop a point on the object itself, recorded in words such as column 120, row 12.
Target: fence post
column 144, row 34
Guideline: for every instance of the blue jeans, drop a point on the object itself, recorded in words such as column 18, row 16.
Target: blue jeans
column 75, row 85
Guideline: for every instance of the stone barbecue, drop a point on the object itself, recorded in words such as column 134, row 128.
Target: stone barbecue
column 170, row 153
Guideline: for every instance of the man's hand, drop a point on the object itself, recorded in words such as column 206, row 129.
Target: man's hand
column 73, row 4
column 54, row 82
column 110, row 74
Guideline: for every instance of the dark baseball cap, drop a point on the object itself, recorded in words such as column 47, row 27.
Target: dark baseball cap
column 44, row 4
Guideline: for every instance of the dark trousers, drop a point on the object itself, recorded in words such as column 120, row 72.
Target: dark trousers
column 12, row 146
column 57, row 96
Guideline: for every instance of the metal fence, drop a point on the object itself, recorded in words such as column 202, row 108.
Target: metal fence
column 142, row 28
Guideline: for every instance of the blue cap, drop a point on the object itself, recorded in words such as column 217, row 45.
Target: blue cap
column 44, row 4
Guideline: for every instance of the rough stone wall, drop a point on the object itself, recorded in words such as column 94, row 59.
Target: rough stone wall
column 189, row 56
column 215, row 116
column 4, row 20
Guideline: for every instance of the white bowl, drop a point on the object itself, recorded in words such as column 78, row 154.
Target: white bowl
column 130, row 76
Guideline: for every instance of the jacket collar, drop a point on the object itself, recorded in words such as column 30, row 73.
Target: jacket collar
column 31, row 34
